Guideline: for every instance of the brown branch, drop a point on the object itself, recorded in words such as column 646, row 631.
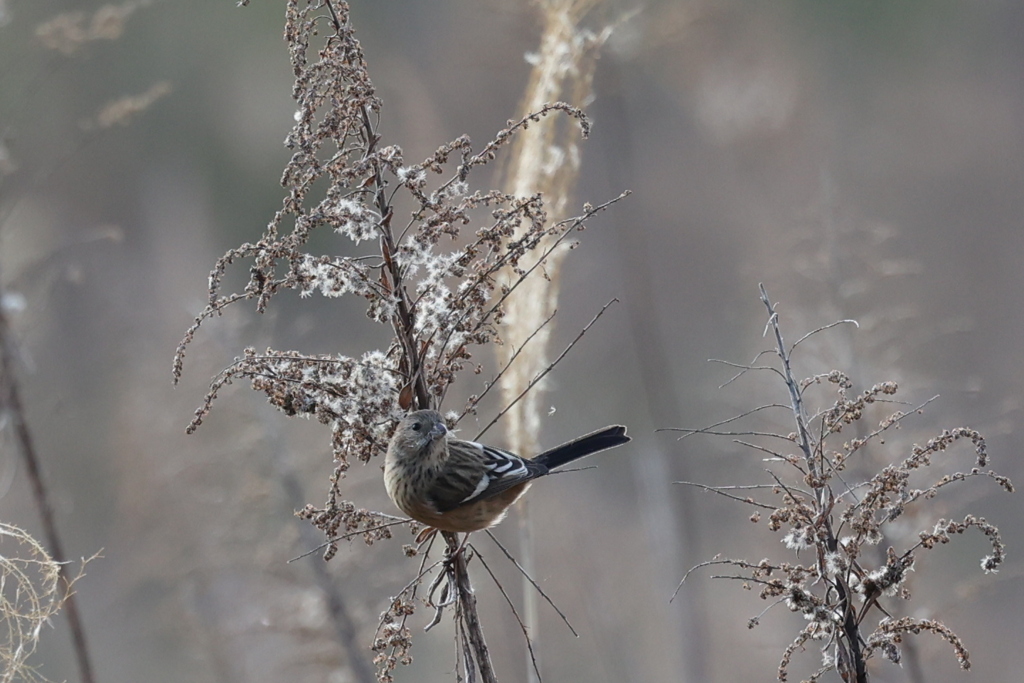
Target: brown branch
column 345, row 628
column 467, row 612
column 403, row 322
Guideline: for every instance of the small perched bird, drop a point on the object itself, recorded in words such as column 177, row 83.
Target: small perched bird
column 464, row 486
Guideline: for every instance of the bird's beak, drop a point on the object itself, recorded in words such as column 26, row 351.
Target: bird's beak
column 438, row 431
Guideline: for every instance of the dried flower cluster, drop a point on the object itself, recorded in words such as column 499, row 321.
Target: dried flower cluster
column 438, row 274
column 838, row 524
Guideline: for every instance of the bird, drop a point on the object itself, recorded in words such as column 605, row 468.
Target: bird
column 464, row 486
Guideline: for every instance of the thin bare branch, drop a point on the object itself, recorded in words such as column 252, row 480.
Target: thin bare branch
column 707, row 430
column 688, row 432
column 532, row 582
column 515, row 613
column 744, row 368
column 720, row 490
column 707, row 563
column 822, row 329
column 546, row 370
column 351, row 534
column 505, row 367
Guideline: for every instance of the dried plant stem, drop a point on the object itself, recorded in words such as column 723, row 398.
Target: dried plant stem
column 402, row 323
column 467, row 613
column 10, row 396
column 563, row 70
column 849, row 649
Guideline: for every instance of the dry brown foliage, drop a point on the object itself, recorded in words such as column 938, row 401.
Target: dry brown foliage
column 838, row 582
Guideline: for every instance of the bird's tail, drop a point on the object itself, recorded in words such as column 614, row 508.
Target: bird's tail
column 580, row 447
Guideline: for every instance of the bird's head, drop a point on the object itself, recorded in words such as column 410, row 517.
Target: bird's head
column 421, row 434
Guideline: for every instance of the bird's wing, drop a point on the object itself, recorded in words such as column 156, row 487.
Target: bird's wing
column 500, row 471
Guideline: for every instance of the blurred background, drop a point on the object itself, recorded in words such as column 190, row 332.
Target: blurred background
column 862, row 159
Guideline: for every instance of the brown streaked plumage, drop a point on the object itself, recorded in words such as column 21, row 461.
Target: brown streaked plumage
column 464, row 486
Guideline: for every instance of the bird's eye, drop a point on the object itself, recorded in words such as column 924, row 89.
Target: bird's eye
column 416, row 426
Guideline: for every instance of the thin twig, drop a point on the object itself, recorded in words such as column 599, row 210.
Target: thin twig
column 448, row 594
column 546, row 370
column 773, row 455
column 744, row 369
column 695, row 567
column 822, row 329
column 705, row 430
column 785, row 487
column 532, row 582
column 719, row 491
column 349, row 535
column 515, row 613
column 688, row 432
column 511, row 360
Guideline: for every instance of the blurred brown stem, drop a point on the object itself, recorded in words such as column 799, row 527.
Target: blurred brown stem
column 345, row 627
column 13, row 407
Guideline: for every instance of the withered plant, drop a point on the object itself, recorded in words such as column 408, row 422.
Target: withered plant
column 840, row 580
column 33, row 589
column 439, row 263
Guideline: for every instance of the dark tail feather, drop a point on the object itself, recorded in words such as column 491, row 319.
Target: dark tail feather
column 602, row 439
